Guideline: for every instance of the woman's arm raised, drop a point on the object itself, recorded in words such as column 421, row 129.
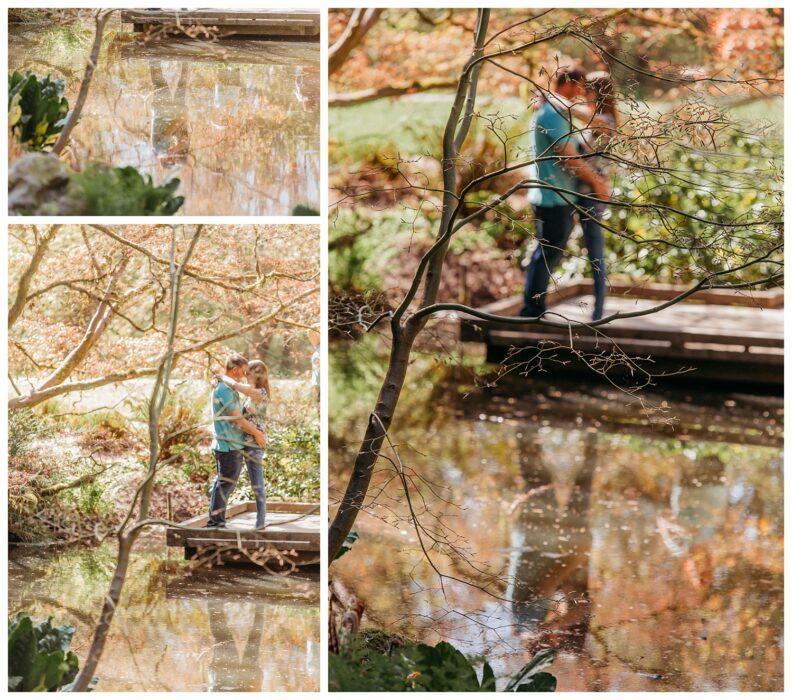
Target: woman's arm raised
column 246, row 389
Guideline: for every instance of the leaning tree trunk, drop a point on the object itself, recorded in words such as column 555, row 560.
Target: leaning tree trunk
column 378, row 425
column 404, row 333
column 127, row 535
column 71, row 121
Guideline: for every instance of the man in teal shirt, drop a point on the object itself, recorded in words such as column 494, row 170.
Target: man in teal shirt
column 231, row 433
column 558, row 172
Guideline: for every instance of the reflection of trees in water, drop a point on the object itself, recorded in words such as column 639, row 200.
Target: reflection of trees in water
column 258, row 142
column 551, row 546
column 261, row 156
column 699, row 603
column 230, row 670
column 170, row 134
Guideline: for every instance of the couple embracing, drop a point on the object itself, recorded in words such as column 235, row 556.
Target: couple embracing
column 575, row 123
column 239, row 434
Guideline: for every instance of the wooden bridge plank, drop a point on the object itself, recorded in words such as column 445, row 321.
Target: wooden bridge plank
column 274, row 23
column 734, row 329
column 289, row 526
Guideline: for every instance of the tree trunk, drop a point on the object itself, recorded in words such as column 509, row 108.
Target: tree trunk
column 20, row 300
column 404, row 334
column 71, row 121
column 88, row 669
column 378, row 425
column 127, row 538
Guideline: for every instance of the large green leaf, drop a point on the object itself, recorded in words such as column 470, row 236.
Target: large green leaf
column 444, row 668
column 36, row 109
column 124, row 192
column 538, row 663
column 38, row 656
column 22, row 650
column 487, row 678
column 541, row 682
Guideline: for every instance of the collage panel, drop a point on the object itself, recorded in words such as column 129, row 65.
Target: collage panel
column 134, row 112
column 164, row 457
column 395, row 349
column 556, row 349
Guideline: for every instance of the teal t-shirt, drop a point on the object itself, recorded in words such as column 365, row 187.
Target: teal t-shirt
column 227, row 435
column 552, row 129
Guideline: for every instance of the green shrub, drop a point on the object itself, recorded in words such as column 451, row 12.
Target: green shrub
column 37, row 109
column 705, row 192
column 291, row 461
column 38, row 655
column 363, row 245
column 124, row 192
column 304, row 210
column 91, row 502
column 419, row 667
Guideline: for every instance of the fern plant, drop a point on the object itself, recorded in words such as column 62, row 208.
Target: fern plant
column 37, row 109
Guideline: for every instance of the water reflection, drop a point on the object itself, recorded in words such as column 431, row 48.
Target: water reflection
column 237, row 121
column 650, row 554
column 230, row 668
column 226, row 629
column 170, row 135
column 548, row 586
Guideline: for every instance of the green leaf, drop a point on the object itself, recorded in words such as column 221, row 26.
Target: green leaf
column 124, row 192
column 539, row 662
column 36, row 108
column 542, row 682
column 38, row 656
column 349, row 540
column 488, row 678
column 22, row 648
column 444, row 668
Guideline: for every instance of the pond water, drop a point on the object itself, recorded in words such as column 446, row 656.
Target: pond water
column 237, row 121
column 227, row 629
column 648, row 552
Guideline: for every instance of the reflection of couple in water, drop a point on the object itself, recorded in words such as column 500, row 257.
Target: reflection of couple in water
column 170, row 133
column 549, row 585
column 239, row 434
column 229, row 670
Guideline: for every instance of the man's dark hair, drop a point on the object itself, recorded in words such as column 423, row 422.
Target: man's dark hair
column 235, row 361
column 570, row 75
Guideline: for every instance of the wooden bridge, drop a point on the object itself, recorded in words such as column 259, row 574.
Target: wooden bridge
column 272, row 24
column 291, row 528
column 719, row 334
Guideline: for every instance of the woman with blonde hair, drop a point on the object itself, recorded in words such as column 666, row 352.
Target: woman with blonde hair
column 254, row 409
column 602, row 123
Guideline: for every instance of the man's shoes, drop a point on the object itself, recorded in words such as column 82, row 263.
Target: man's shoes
column 209, row 526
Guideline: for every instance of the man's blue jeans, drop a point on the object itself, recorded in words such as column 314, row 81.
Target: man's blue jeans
column 553, row 226
column 229, row 467
column 253, row 460
column 595, row 247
